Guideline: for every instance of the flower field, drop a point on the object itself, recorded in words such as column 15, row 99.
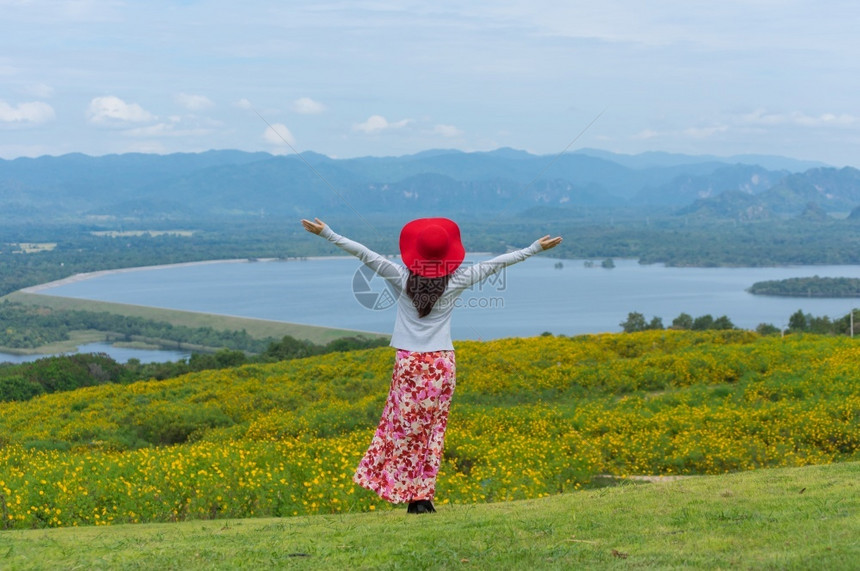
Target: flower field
column 531, row 417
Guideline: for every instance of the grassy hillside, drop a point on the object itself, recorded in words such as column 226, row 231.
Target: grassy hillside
column 531, row 418
column 256, row 328
column 791, row 518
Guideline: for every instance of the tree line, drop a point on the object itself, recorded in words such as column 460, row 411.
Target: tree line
column 808, row 287
column 636, row 322
column 798, row 322
column 68, row 372
column 26, row 326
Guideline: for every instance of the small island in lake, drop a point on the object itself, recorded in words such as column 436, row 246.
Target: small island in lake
column 809, row 287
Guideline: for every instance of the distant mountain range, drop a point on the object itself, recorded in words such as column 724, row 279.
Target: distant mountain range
column 237, row 184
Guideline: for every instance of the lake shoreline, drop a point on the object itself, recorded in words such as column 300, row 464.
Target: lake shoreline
column 37, row 289
column 330, row 292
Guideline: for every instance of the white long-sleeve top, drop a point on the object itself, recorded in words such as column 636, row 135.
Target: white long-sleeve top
column 433, row 331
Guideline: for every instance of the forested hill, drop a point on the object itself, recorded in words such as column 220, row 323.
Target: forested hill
column 234, row 184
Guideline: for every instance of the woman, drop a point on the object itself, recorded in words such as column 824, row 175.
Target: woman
column 403, row 459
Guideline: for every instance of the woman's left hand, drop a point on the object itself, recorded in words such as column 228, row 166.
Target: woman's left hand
column 546, row 242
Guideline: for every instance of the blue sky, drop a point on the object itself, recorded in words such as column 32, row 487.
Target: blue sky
column 390, row 78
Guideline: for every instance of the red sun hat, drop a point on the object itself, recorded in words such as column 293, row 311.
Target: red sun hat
column 431, row 247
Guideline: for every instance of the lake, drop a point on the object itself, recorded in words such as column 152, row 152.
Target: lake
column 525, row 300
column 118, row 354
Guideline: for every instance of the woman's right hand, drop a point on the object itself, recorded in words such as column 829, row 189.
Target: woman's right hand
column 313, row 227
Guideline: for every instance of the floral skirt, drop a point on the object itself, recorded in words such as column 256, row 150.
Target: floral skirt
column 404, row 456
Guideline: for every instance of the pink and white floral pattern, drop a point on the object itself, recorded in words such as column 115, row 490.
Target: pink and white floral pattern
column 403, row 459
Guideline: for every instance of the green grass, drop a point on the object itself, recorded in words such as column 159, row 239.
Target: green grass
column 257, row 328
column 792, row 518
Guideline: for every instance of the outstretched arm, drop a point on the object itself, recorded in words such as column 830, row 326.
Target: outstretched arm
column 481, row 271
column 379, row 264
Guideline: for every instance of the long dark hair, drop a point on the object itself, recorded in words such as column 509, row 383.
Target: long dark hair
column 425, row 292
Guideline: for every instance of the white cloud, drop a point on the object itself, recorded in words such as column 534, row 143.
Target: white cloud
column 704, row 132
column 278, row 134
column 378, row 123
column 307, row 106
column 166, row 130
column 761, row 117
column 30, row 112
column 157, row 130
column 194, row 102
column 646, row 134
column 447, row 131
column 40, row 90
column 110, row 108
column 723, row 25
column 244, row 104
column 175, row 126
column 688, row 133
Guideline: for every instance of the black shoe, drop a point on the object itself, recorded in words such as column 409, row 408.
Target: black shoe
column 421, row 507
